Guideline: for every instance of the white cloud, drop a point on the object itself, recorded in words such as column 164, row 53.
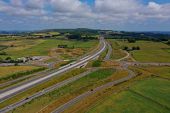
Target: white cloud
column 118, row 11
column 16, row 7
column 116, row 6
column 129, row 10
column 16, row 2
column 71, row 8
column 154, row 6
column 37, row 4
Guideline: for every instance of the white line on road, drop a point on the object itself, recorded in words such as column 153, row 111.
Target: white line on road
column 5, row 95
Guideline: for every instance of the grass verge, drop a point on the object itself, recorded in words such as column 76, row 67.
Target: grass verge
column 53, row 99
column 17, row 71
column 119, row 99
column 42, row 86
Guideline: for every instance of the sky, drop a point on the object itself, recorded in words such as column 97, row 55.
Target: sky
column 127, row 15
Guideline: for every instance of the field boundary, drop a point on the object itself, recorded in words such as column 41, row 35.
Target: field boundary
column 147, row 98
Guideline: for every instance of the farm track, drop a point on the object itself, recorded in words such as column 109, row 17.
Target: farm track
column 127, row 56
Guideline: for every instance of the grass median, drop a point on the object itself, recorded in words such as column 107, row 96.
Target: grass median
column 56, row 98
column 42, row 86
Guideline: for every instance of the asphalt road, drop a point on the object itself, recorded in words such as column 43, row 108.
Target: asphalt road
column 49, row 89
column 9, row 93
column 70, row 103
column 108, row 55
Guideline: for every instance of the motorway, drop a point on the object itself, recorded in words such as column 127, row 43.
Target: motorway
column 11, row 92
column 6, row 94
column 49, row 89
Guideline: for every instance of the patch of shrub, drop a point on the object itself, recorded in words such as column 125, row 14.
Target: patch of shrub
column 3, row 53
column 8, row 58
column 96, row 63
column 131, row 40
column 125, row 48
column 168, row 42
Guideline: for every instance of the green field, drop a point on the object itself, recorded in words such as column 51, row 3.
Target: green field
column 150, row 51
column 40, row 47
column 157, row 90
column 46, row 33
column 163, row 71
column 67, row 92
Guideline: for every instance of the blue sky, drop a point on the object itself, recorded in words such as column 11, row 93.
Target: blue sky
column 128, row 15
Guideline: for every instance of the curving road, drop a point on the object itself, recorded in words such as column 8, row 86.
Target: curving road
column 11, row 92
column 127, row 55
column 70, row 103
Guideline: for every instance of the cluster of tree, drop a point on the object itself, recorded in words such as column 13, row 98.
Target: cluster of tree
column 168, row 42
column 131, row 40
column 10, row 60
column 131, row 49
column 3, row 53
column 20, row 74
column 81, row 31
column 149, row 36
column 80, row 37
column 2, row 47
column 62, row 46
column 74, row 36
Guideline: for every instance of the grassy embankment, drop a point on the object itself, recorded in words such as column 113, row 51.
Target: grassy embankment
column 146, row 94
column 117, row 53
column 16, row 72
column 50, row 101
column 42, row 86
